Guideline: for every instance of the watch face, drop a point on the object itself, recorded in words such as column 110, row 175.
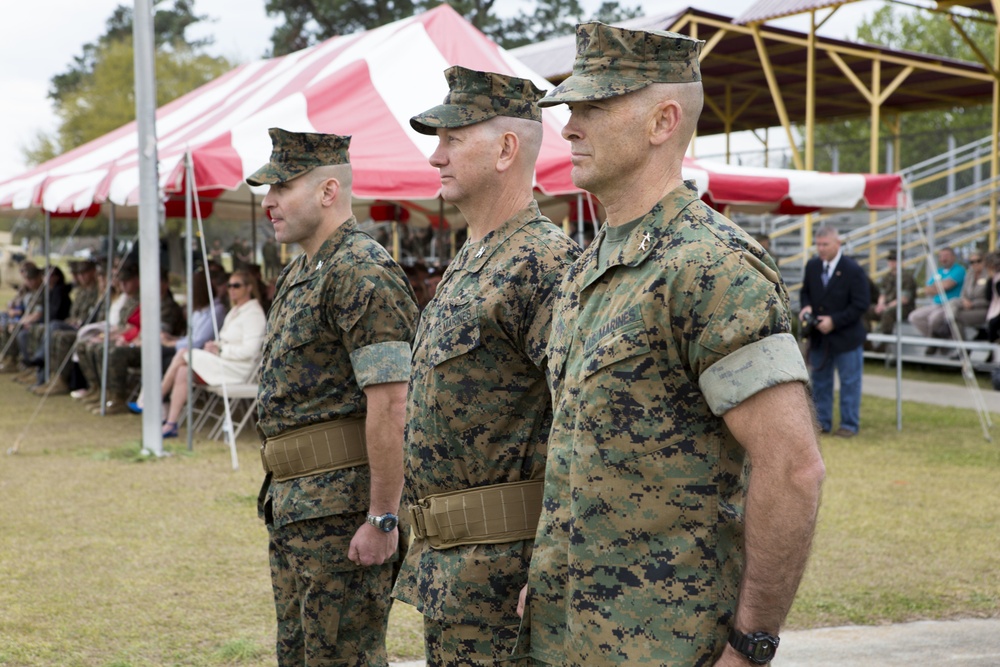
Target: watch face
column 389, row 523
column 764, row 649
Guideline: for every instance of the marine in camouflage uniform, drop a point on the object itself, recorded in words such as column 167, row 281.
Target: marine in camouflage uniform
column 885, row 321
column 339, row 330
column 478, row 411
column 85, row 310
column 669, row 335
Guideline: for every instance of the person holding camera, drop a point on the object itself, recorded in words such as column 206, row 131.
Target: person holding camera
column 835, row 296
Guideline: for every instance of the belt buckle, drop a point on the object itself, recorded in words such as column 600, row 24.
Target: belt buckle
column 263, row 458
column 417, row 524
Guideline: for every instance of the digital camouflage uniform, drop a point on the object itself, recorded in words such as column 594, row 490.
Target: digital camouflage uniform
column 478, row 411
column 886, row 322
column 339, row 322
column 85, row 310
column 639, row 551
column 479, row 414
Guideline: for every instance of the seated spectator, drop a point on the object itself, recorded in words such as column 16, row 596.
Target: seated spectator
column 991, row 264
column 234, row 357
column 62, row 333
column 202, row 327
column 127, row 350
column 971, row 306
column 89, row 346
column 27, row 298
column 943, row 286
column 32, row 333
column 883, row 313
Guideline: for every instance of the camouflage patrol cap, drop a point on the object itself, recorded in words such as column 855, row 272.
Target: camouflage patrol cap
column 295, row 153
column 614, row 61
column 477, row 96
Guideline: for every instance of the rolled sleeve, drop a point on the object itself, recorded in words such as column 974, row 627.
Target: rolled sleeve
column 750, row 369
column 381, row 363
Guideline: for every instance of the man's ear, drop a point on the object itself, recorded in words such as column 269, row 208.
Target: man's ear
column 664, row 120
column 509, row 145
column 329, row 189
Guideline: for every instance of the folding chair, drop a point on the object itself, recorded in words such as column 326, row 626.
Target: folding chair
column 242, row 407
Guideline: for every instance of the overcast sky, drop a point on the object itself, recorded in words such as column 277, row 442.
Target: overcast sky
column 43, row 36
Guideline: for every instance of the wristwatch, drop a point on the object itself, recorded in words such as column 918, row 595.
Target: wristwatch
column 386, row 522
column 757, row 647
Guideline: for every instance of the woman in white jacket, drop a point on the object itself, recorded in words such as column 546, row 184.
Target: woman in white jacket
column 233, row 358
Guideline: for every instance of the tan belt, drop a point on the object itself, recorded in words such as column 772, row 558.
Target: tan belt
column 492, row 514
column 314, row 449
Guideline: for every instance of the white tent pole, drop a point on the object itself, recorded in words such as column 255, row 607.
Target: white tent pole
column 48, row 281
column 189, row 278
column 192, row 189
column 899, row 311
column 149, row 228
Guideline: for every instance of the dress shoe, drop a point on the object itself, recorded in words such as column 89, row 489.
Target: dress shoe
column 845, row 433
column 169, row 429
column 56, row 387
column 134, row 407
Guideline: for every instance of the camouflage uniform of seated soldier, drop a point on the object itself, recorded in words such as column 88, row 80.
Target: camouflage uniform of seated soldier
column 335, row 365
column 478, row 410
column 683, row 471
column 62, row 333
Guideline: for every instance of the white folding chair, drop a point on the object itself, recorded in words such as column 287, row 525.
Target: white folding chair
column 242, row 408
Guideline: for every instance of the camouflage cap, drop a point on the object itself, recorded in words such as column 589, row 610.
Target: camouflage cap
column 613, row 61
column 477, row 96
column 295, row 153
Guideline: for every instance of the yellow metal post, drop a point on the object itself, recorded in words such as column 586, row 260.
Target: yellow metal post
column 807, row 230
column 779, row 102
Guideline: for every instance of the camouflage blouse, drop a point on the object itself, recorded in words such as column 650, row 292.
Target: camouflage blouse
column 478, row 411
column 339, row 322
column 638, row 555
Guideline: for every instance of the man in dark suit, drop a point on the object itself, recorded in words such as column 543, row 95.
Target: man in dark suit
column 836, row 292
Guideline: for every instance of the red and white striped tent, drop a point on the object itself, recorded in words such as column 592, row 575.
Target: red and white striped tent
column 367, row 85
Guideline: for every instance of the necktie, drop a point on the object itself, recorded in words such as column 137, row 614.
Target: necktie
column 826, row 273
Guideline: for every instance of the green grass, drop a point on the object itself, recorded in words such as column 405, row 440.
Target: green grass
column 908, row 528
column 113, row 558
